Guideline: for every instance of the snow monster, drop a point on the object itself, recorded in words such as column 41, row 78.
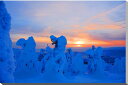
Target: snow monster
column 27, row 55
column 7, row 65
column 59, row 52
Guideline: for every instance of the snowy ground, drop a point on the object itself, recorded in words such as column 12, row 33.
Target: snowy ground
column 32, row 76
column 59, row 65
column 87, row 78
column 51, row 77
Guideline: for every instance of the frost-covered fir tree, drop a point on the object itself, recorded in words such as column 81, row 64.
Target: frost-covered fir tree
column 6, row 54
column 119, row 66
column 55, row 64
column 44, row 56
column 95, row 62
column 59, row 51
column 77, row 64
column 28, row 55
column 100, row 63
column 68, row 69
column 91, row 61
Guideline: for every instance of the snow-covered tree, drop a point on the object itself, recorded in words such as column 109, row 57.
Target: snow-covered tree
column 119, row 65
column 100, row 63
column 28, row 55
column 95, row 62
column 44, row 56
column 68, row 68
column 7, row 65
column 77, row 64
column 59, row 52
column 21, row 42
column 56, row 61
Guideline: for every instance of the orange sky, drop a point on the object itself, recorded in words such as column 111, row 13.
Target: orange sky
column 115, row 43
column 95, row 23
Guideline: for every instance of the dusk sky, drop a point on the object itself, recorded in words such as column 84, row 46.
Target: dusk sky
column 83, row 23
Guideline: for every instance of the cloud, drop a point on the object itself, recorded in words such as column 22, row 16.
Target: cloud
column 108, row 29
column 88, row 22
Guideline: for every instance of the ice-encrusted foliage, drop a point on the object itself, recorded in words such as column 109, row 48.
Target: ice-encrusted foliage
column 60, row 65
column 95, row 62
column 27, row 58
column 6, row 54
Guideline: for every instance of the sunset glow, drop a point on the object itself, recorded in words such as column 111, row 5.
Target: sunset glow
column 103, row 27
column 79, row 42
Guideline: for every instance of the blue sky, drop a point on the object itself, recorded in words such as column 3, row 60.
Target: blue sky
column 100, row 23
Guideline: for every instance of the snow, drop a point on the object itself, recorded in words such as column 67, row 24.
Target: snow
column 61, row 65
column 53, row 65
column 27, row 58
column 7, row 66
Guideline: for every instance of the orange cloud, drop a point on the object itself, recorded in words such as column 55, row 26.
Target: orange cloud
column 42, row 39
column 112, row 43
column 102, row 26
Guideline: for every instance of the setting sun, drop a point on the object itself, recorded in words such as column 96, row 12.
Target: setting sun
column 79, row 42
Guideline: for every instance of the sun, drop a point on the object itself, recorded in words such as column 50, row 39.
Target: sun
column 78, row 45
column 79, row 42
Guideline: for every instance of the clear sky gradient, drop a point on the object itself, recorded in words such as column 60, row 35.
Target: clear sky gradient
column 83, row 23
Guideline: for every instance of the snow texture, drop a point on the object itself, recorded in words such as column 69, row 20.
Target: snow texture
column 53, row 65
column 61, row 65
column 7, row 66
column 27, row 58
